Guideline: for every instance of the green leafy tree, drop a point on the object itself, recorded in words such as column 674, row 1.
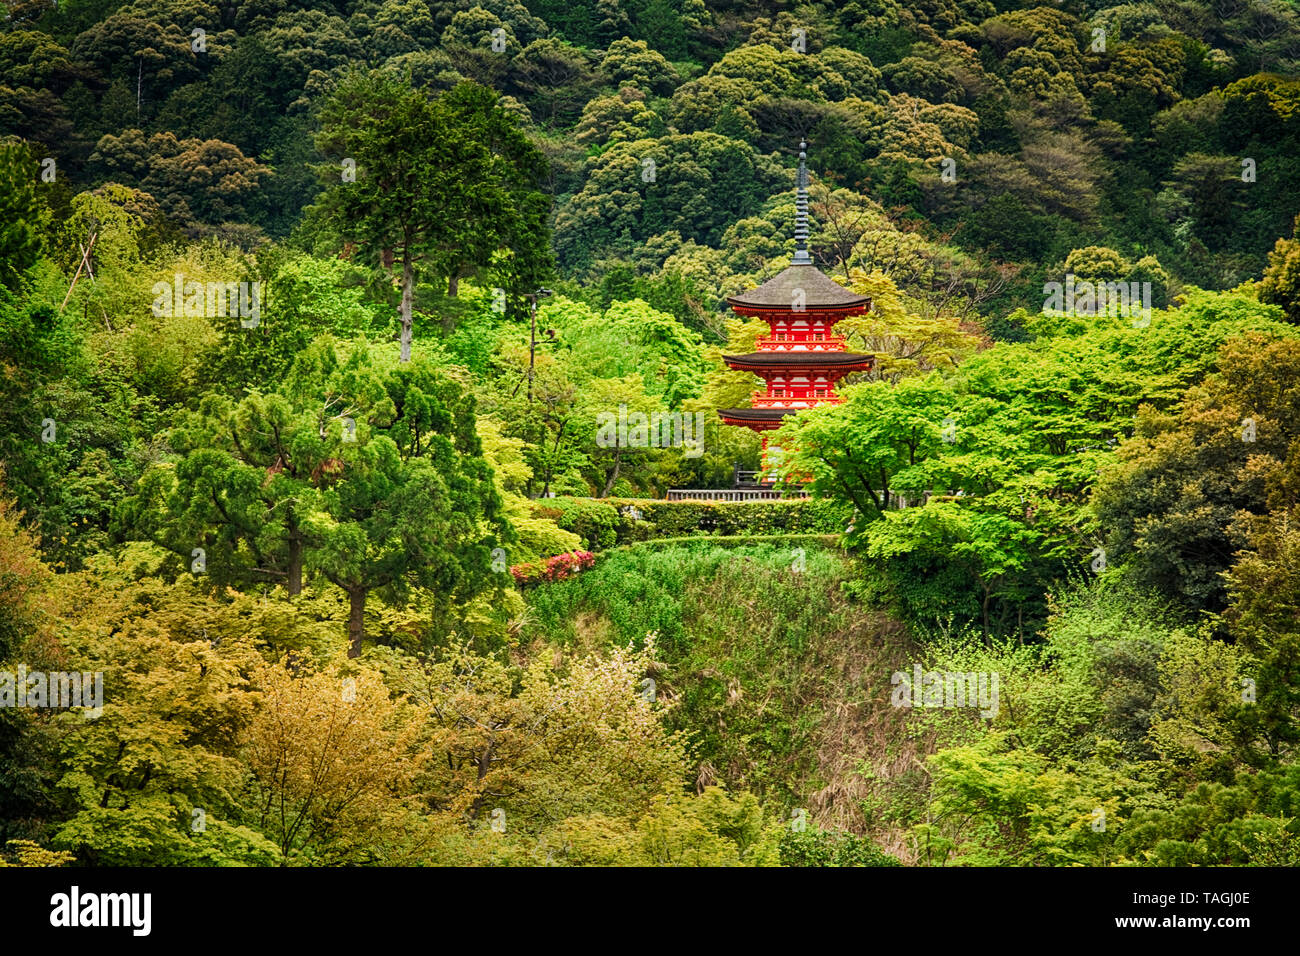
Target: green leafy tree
column 369, row 476
column 205, row 180
column 23, row 212
column 856, row 450
column 612, row 119
column 439, row 186
column 993, row 549
column 1168, row 505
column 556, row 76
column 412, row 504
column 696, row 184
column 1281, row 282
column 633, row 62
column 389, row 133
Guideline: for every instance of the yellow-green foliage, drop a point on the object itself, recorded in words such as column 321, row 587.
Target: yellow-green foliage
column 28, row 853
column 538, row 537
column 904, row 342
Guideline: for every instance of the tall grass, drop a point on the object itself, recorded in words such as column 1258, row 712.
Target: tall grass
column 694, row 587
column 761, row 659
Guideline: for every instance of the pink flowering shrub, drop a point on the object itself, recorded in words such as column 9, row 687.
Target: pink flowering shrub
column 556, row 568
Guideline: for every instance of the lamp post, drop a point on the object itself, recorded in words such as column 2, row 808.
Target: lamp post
column 532, row 297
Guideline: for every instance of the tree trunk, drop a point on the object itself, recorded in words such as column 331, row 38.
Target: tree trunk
column 295, row 564
column 483, row 763
column 613, row 475
column 408, row 288
column 449, row 315
column 356, row 620
column 988, row 596
column 550, row 468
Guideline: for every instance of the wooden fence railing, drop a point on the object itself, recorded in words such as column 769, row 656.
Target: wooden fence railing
column 731, row 494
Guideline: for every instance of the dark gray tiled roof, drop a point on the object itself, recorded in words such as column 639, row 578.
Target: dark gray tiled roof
column 757, row 414
column 777, row 359
column 818, row 288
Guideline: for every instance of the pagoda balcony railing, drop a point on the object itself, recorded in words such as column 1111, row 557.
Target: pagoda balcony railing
column 753, row 491
column 732, row 494
column 763, row 400
column 832, row 343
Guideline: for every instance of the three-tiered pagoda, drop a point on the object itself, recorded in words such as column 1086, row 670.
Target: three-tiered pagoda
column 802, row 358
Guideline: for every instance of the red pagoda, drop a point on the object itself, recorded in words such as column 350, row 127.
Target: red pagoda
column 802, row 358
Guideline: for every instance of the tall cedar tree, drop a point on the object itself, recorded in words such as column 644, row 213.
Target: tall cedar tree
column 442, row 187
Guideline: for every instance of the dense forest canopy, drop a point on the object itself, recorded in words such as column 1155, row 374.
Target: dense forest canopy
column 309, row 312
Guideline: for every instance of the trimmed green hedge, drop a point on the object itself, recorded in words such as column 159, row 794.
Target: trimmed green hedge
column 598, row 524
column 607, row 522
column 831, row 541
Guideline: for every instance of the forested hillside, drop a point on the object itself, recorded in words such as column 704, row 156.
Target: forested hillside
column 310, row 316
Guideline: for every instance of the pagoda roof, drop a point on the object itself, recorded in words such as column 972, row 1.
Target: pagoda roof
column 757, row 416
column 819, row 291
column 797, row 358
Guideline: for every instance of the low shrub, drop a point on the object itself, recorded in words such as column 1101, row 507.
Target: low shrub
column 825, row 848
column 604, row 523
column 555, row 568
column 595, row 522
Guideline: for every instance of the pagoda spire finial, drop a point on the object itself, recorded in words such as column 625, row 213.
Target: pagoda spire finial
column 801, row 257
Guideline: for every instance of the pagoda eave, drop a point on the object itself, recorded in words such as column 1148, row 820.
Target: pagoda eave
column 842, row 311
column 758, row 419
column 797, row 288
column 777, row 361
